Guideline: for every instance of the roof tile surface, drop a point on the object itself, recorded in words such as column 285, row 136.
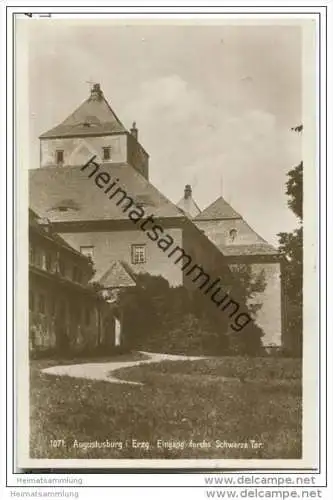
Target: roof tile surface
column 219, row 209
column 51, row 188
column 93, row 117
column 116, row 276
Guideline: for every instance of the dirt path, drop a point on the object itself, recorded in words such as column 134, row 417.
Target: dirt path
column 103, row 371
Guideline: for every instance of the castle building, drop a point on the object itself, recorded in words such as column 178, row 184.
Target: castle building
column 66, row 313
column 93, row 171
column 240, row 244
column 63, row 308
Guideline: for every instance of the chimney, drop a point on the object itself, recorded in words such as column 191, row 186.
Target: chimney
column 134, row 131
column 187, row 192
column 96, row 93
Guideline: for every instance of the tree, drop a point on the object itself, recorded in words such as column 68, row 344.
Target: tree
column 249, row 285
column 291, row 247
column 294, row 190
column 179, row 320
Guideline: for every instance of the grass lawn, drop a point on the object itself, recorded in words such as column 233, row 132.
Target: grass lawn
column 199, row 406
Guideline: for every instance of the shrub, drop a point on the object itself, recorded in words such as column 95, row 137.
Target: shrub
column 178, row 320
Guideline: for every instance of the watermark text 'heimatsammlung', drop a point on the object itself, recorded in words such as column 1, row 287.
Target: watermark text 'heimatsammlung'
column 156, row 233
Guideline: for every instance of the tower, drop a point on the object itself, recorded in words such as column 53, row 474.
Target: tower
column 187, row 203
column 93, row 129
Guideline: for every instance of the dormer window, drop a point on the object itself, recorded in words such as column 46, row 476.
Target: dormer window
column 232, row 234
column 59, row 156
column 66, row 205
column 107, row 153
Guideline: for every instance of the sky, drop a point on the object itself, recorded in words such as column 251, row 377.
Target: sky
column 214, row 105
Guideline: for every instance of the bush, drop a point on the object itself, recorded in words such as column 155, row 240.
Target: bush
column 178, row 320
column 247, row 341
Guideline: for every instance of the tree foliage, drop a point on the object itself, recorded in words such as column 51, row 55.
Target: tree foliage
column 291, row 247
column 178, row 320
column 294, row 190
column 249, row 288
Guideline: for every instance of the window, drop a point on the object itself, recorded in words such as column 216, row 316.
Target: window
column 107, row 153
column 60, row 156
column 48, row 261
column 38, row 257
column 88, row 251
column 41, row 305
column 138, row 254
column 77, row 274
column 32, row 254
column 62, row 267
column 43, row 260
column 233, row 234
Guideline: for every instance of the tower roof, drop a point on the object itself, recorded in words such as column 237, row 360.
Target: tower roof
column 187, row 203
column 93, row 117
column 227, row 229
column 219, row 209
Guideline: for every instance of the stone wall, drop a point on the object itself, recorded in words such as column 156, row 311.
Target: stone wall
column 64, row 310
column 78, row 150
column 116, row 245
column 218, row 231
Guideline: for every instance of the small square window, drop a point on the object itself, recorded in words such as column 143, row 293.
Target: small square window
column 138, row 254
column 233, row 234
column 88, row 251
column 60, row 156
column 107, row 153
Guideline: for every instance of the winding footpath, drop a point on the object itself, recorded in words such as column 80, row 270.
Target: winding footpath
column 104, row 371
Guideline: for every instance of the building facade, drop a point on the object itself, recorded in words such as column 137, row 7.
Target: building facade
column 241, row 245
column 91, row 167
column 66, row 314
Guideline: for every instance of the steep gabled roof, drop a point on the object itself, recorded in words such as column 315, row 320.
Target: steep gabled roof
column 189, row 207
column 219, row 220
column 219, row 209
column 64, row 194
column 43, row 227
column 116, row 276
column 93, row 117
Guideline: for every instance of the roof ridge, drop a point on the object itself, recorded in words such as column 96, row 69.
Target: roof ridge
column 120, row 274
column 226, row 211
column 74, row 122
column 113, row 112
